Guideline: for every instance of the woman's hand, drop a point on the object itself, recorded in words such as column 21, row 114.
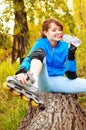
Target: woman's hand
column 21, row 77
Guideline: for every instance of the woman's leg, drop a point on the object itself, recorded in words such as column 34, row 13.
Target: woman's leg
column 39, row 72
column 44, row 80
column 65, row 85
column 56, row 83
column 36, row 67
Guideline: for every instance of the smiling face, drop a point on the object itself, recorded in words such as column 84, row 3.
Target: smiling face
column 54, row 33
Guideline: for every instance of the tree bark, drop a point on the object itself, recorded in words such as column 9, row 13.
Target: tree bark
column 21, row 31
column 62, row 112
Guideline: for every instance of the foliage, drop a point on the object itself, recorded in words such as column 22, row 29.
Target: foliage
column 37, row 11
column 6, row 15
column 12, row 109
column 79, row 12
column 5, row 41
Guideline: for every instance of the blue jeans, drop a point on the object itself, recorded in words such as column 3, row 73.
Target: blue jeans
column 59, row 83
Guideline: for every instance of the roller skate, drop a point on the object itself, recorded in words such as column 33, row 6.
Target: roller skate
column 28, row 92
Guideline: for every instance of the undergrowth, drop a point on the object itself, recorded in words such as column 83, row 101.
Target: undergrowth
column 12, row 109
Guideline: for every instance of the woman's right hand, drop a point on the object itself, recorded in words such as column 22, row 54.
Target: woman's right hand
column 21, row 77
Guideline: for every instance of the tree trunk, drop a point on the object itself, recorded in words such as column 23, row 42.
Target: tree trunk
column 62, row 112
column 21, row 31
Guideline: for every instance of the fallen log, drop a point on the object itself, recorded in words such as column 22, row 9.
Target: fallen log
column 62, row 112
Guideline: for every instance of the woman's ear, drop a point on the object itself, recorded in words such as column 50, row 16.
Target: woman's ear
column 45, row 33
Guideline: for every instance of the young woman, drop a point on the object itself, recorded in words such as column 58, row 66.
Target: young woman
column 51, row 63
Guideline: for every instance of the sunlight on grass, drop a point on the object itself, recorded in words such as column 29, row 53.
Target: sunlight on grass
column 12, row 109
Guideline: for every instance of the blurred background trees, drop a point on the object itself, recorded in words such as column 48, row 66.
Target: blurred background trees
column 21, row 31
column 27, row 17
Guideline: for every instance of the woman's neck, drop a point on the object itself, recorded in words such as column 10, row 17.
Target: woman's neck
column 53, row 43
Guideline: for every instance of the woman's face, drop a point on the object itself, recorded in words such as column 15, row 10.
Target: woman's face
column 54, row 33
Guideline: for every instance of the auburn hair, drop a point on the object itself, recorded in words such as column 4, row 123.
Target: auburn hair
column 46, row 24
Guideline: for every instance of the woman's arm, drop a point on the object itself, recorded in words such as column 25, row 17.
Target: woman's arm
column 25, row 65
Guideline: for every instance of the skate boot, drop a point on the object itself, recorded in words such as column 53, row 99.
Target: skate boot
column 27, row 91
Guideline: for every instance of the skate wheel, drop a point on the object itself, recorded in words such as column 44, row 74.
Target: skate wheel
column 25, row 99
column 5, row 87
column 34, row 104
column 15, row 93
column 42, row 107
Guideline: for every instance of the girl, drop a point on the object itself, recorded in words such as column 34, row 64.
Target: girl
column 51, row 64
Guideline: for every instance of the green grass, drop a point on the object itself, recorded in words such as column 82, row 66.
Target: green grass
column 12, row 109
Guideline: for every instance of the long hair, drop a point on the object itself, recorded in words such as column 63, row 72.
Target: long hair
column 46, row 23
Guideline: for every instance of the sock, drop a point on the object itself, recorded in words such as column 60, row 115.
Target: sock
column 36, row 81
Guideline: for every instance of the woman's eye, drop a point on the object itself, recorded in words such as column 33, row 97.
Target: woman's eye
column 54, row 30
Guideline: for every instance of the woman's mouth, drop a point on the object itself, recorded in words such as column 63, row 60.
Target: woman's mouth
column 59, row 36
